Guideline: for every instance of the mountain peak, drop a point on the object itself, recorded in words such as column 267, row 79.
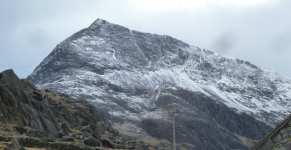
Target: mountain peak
column 98, row 22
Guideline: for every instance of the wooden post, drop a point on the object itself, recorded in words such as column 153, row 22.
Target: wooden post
column 174, row 136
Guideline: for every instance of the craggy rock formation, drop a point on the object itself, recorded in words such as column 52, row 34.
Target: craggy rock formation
column 26, row 105
column 39, row 118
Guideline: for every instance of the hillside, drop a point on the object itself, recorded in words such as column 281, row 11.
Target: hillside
column 40, row 119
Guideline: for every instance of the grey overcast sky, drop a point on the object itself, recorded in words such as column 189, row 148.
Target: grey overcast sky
column 258, row 31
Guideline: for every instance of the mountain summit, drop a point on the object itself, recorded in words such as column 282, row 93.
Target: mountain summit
column 135, row 78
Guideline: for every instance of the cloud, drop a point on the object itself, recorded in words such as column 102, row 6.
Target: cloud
column 38, row 38
column 244, row 29
column 281, row 44
column 225, row 42
column 205, row 5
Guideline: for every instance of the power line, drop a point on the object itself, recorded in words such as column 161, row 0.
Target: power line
column 17, row 72
column 4, row 68
column 14, row 68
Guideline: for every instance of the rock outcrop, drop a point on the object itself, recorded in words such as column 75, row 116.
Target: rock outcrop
column 40, row 118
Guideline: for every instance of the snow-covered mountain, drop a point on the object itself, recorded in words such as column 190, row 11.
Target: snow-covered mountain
column 135, row 78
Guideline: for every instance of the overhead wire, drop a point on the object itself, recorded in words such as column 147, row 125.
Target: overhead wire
column 15, row 68
column 20, row 73
column 17, row 72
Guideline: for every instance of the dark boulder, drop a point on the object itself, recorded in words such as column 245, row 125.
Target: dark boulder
column 38, row 95
column 24, row 121
column 49, row 126
column 65, row 128
column 79, row 137
column 61, row 134
column 28, row 112
column 33, row 133
column 92, row 142
column 14, row 143
column 52, row 117
column 55, row 112
column 20, row 129
column 86, row 128
column 63, row 110
column 117, row 141
column 84, row 122
column 35, row 124
column 8, row 77
column 86, row 134
column 67, row 138
column 21, row 148
column 3, row 119
column 103, row 124
column 97, row 115
column 50, row 138
column 38, row 106
column 109, row 144
column 13, row 88
column 7, row 99
column 93, row 127
column 27, row 93
column 98, row 132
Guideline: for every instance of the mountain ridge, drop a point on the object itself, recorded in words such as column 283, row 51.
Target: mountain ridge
column 129, row 73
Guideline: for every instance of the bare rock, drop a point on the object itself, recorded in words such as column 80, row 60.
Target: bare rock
column 98, row 132
column 65, row 128
column 14, row 143
column 61, row 134
column 67, row 138
column 86, row 128
column 92, row 142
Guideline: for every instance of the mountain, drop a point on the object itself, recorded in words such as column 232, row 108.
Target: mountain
column 135, row 78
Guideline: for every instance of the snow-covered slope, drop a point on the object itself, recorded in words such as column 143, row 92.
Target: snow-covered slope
column 126, row 73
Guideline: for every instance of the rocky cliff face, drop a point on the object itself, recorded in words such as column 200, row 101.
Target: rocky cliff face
column 135, row 78
column 39, row 118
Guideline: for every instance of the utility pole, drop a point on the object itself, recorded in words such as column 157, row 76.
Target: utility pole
column 174, row 138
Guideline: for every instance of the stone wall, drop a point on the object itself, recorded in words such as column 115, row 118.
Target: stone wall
column 280, row 141
column 35, row 143
column 30, row 142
